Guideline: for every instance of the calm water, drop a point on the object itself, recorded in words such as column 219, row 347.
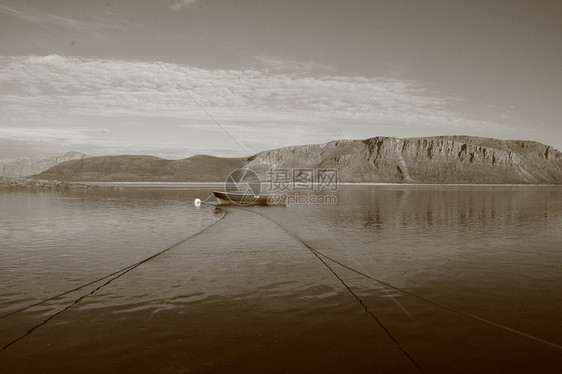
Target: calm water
column 481, row 267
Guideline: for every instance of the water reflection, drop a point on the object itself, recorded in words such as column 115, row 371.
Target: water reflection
column 52, row 241
column 247, row 296
column 449, row 207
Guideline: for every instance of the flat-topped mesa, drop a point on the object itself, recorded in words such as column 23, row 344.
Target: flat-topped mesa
column 440, row 159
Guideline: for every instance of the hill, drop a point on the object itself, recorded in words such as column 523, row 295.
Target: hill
column 129, row 168
column 440, row 159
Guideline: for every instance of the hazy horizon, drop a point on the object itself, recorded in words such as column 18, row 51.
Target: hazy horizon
column 232, row 78
column 63, row 152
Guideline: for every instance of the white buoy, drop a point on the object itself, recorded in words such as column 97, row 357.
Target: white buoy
column 197, row 202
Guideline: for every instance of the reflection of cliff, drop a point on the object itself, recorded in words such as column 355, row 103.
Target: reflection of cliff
column 414, row 208
column 444, row 159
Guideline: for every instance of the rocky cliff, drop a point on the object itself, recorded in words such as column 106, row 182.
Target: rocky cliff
column 441, row 159
column 25, row 167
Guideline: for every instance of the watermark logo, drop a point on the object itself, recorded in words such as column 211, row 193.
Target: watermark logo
column 286, row 186
column 299, row 179
column 293, row 186
column 242, row 186
column 301, row 199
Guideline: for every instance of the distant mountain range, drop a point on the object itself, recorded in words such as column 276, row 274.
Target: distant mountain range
column 31, row 166
column 440, row 159
column 129, row 168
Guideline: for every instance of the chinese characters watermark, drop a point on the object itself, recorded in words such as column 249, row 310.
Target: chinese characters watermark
column 302, row 179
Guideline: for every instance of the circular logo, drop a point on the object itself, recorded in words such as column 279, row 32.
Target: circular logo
column 243, row 186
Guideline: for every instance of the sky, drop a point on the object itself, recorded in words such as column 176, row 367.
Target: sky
column 235, row 77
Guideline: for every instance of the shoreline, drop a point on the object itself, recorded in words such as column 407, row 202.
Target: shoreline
column 46, row 184
column 30, row 183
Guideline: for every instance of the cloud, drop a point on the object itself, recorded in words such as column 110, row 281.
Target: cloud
column 182, row 4
column 32, row 133
column 119, row 105
column 277, row 64
column 69, row 19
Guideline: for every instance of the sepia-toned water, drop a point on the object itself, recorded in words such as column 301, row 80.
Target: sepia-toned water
column 433, row 279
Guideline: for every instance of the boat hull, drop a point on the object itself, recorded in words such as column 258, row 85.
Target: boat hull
column 236, row 198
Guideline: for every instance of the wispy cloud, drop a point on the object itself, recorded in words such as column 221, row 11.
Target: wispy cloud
column 182, row 4
column 34, row 133
column 277, row 64
column 76, row 22
column 123, row 105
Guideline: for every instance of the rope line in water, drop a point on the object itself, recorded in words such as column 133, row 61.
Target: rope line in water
column 317, row 255
column 362, row 268
column 99, row 279
column 444, row 306
column 62, row 294
column 386, row 330
column 65, row 309
column 117, row 274
column 435, row 303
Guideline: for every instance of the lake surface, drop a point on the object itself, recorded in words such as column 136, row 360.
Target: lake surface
column 471, row 282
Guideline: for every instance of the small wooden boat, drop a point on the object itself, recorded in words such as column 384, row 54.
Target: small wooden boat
column 240, row 198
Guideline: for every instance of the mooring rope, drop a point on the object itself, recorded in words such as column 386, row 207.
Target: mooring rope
column 444, row 306
column 64, row 293
column 362, row 268
column 317, row 255
column 116, row 275
column 386, row 330
column 406, row 292
column 208, row 197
